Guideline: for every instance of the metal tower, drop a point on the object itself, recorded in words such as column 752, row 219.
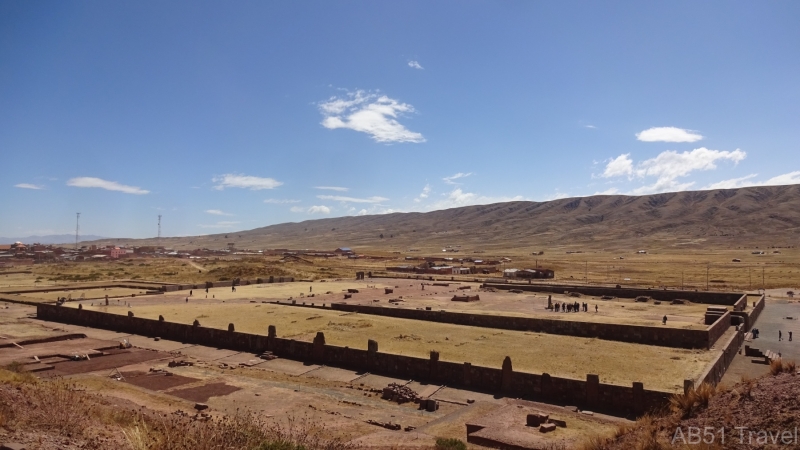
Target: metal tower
column 77, row 228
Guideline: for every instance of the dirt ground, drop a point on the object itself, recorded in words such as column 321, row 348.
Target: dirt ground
column 563, row 356
column 344, row 401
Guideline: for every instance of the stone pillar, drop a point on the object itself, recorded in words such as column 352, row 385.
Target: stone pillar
column 196, row 323
column 505, row 383
column 106, row 300
column 80, row 307
column 549, row 302
column 372, row 347
column 688, row 385
column 546, row 386
column 318, row 351
column 271, row 331
column 592, row 390
column 638, row 398
column 433, row 366
column 160, row 318
column 130, row 313
column 231, row 327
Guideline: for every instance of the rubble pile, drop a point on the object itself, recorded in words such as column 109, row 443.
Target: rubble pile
column 400, row 394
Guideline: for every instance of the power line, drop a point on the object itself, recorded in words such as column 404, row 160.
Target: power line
column 77, row 228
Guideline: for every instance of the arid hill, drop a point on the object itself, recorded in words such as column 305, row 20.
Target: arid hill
column 754, row 216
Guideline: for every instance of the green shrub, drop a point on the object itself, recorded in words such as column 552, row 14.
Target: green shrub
column 450, row 444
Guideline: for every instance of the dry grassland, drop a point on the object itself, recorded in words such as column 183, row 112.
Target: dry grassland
column 563, row 356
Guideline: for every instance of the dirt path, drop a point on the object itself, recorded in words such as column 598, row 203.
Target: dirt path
column 197, row 266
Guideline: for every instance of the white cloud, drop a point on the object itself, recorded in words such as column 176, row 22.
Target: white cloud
column 321, row 209
column 415, row 65
column 732, row 183
column 280, row 201
column 91, row 182
column 780, row 180
column 621, row 165
column 457, row 197
column 449, row 180
column 787, row 178
column 668, row 167
column 232, row 180
column 363, row 212
column 426, row 191
column 609, row 191
column 222, row 224
column 339, row 198
column 217, row 212
column 369, row 113
column 590, row 126
column 28, row 186
column 668, row 134
column 332, row 188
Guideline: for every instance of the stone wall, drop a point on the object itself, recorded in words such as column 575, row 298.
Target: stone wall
column 714, row 373
column 719, row 327
column 228, row 283
column 710, row 298
column 662, row 336
column 589, row 393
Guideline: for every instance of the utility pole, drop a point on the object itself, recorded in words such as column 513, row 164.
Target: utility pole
column 707, row 277
column 77, row 228
column 158, row 242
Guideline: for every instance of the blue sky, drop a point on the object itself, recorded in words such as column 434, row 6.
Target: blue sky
column 224, row 116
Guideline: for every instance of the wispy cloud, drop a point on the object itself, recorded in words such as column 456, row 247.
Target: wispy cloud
column 221, row 224
column 426, row 191
column 668, row 134
column 457, row 197
column 91, row 182
column 590, row 126
column 415, row 65
column 217, row 212
column 369, row 113
column 332, row 188
column 450, row 179
column 746, row 181
column 668, row 167
column 29, row 186
column 340, row 198
column 280, row 201
column 232, row 180
column 316, row 209
column 321, row 209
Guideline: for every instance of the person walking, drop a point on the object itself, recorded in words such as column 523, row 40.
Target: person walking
column 664, row 320
column 790, row 336
column 780, row 335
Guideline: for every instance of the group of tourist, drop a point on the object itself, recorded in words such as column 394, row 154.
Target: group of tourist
column 572, row 307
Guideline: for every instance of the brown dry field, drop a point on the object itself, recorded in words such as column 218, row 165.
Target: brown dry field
column 683, row 264
column 563, row 356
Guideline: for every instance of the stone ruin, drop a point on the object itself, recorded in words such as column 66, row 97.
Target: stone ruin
column 400, row 393
column 545, row 423
column 465, row 298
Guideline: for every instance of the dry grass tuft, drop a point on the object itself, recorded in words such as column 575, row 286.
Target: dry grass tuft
column 775, row 367
column 686, row 404
column 790, row 367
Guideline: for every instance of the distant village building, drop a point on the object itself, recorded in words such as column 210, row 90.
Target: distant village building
column 343, row 251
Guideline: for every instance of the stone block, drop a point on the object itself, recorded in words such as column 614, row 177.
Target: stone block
column 536, row 419
column 200, row 406
column 547, row 427
column 558, row 422
column 12, row 446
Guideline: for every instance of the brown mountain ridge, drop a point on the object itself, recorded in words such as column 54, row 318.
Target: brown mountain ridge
column 752, row 216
